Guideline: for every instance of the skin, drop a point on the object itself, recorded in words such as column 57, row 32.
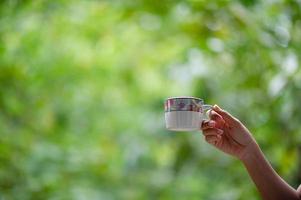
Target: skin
column 229, row 135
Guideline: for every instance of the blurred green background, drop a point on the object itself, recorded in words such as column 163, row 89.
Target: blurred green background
column 83, row 82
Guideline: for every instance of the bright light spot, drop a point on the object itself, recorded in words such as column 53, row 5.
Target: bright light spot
column 215, row 44
column 150, row 22
column 197, row 63
column 181, row 12
column 227, row 59
column 266, row 39
column 184, row 73
column 180, row 73
column 196, row 66
column 277, row 84
column 283, row 35
column 214, row 26
column 290, row 64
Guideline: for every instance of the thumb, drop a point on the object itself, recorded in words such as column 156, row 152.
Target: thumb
column 226, row 116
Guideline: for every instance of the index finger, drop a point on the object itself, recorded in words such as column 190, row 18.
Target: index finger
column 226, row 116
column 217, row 118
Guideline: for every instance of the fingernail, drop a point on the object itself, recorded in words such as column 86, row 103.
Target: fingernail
column 216, row 107
column 211, row 123
column 219, row 131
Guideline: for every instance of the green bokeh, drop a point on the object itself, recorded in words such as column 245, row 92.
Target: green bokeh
column 83, row 82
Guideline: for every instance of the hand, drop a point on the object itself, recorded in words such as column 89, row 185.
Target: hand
column 227, row 133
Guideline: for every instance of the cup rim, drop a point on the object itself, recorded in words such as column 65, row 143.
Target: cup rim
column 185, row 97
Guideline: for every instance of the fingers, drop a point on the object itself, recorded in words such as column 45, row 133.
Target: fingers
column 225, row 115
column 207, row 124
column 212, row 134
column 212, row 131
column 214, row 115
column 213, row 139
column 217, row 118
column 216, row 121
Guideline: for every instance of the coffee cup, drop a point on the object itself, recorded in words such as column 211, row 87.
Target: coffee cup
column 185, row 113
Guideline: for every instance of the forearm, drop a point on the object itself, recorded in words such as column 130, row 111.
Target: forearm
column 270, row 185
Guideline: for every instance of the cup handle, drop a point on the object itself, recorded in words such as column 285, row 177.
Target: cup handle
column 205, row 108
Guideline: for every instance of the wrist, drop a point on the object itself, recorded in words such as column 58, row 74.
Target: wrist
column 249, row 152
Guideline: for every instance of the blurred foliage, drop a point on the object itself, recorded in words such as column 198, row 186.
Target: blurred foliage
column 82, row 86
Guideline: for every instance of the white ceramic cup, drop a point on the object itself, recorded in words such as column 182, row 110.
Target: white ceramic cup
column 185, row 113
